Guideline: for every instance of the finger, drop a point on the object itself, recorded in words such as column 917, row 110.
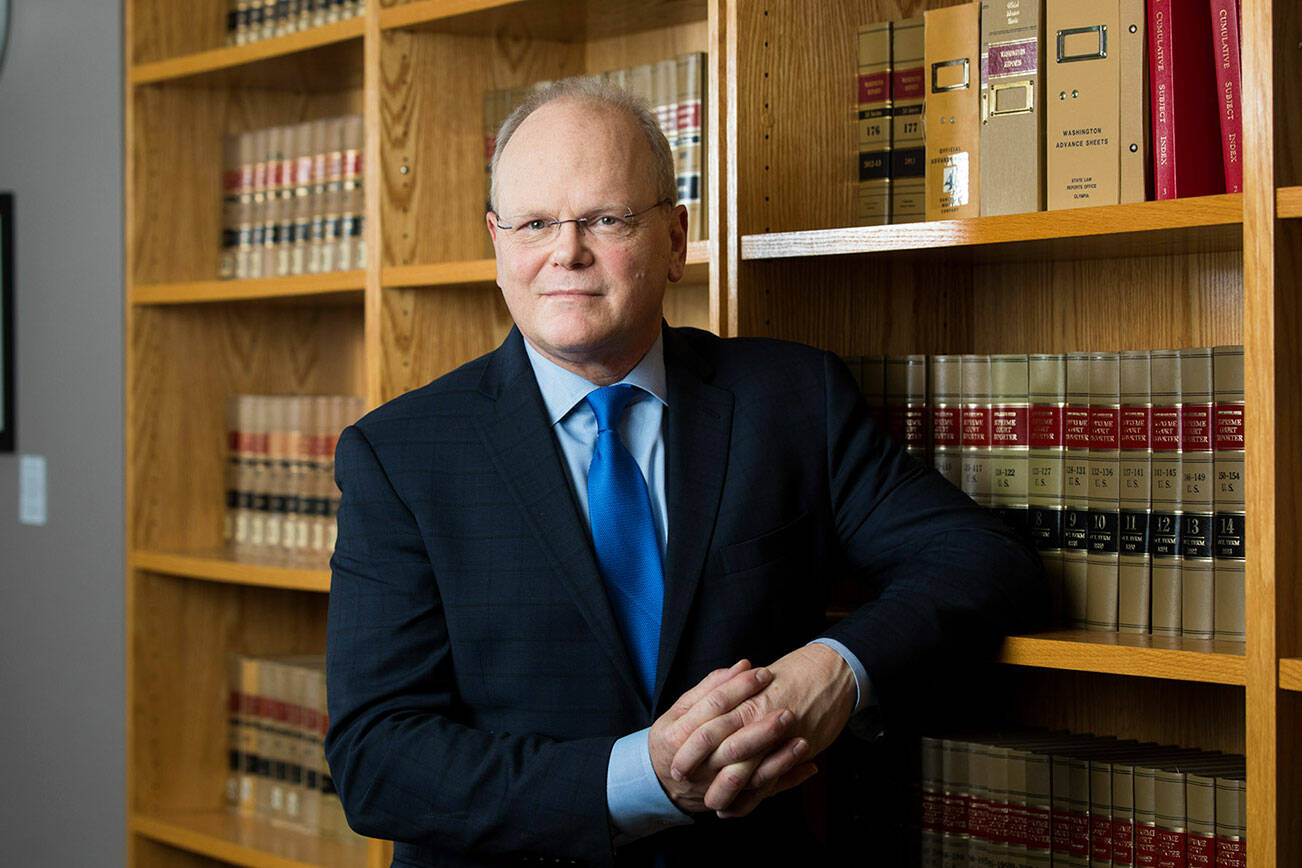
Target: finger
column 729, row 739
column 708, row 683
column 748, row 800
column 722, row 700
column 774, row 766
column 729, row 783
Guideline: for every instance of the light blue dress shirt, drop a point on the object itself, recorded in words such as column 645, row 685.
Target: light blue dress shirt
column 637, row 804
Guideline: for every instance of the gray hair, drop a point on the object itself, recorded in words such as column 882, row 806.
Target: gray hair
column 595, row 90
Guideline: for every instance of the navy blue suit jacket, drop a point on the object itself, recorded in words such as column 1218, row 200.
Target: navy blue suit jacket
column 477, row 679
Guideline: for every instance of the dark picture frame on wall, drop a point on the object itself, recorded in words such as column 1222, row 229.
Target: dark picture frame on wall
column 6, row 322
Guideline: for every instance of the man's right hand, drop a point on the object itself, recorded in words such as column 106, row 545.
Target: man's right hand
column 759, row 748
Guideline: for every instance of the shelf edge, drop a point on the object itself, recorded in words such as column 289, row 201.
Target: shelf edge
column 425, row 11
column 215, row 569
column 228, row 57
column 1290, row 673
column 258, row 289
column 1288, row 202
column 179, row 836
column 1175, row 664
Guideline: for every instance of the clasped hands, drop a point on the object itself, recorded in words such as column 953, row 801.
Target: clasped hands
column 743, row 734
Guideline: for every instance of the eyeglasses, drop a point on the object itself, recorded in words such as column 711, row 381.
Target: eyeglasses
column 602, row 225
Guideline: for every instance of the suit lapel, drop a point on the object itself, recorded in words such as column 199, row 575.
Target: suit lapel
column 520, row 439
column 697, row 436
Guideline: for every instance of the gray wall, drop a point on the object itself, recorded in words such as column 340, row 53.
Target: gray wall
column 61, row 586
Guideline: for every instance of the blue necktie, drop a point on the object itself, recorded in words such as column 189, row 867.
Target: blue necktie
column 624, row 534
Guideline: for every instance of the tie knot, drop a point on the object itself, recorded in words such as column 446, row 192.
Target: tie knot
column 608, row 404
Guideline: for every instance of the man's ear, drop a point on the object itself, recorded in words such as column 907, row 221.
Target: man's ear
column 678, row 243
column 491, row 220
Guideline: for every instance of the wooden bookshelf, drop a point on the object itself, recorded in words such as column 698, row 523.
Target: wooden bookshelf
column 781, row 261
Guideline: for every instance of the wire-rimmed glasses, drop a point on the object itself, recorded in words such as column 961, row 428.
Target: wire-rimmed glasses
column 619, row 225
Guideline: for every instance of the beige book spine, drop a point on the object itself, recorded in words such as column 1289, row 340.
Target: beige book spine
column 1104, row 494
column 873, row 125
column 906, row 402
column 1083, row 87
column 977, row 469
column 1047, row 384
column 1231, row 821
column 953, row 111
column 1229, row 616
column 1075, row 486
column 933, row 799
column 908, row 127
column 1167, row 487
column 1012, row 107
column 691, row 138
column 945, row 387
column 957, row 795
column 352, row 195
column 1197, row 569
column 1134, row 588
column 1009, row 437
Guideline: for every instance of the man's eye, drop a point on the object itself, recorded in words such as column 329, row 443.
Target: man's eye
column 607, row 221
column 536, row 225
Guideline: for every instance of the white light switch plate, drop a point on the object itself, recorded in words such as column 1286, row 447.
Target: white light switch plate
column 31, row 489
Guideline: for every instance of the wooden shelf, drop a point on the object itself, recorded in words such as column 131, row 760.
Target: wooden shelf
column 1290, row 673
column 1201, row 224
column 1288, row 202
column 244, row 60
column 249, row 842
column 472, row 271
column 552, row 20
column 1176, row 659
column 343, row 286
column 216, row 567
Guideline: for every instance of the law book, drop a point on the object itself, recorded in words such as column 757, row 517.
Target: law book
column 908, row 128
column 1047, row 387
column 933, row 800
column 1186, row 132
column 303, row 185
column 1083, row 116
column 1167, row 487
column 285, row 206
column 1135, row 126
column 691, row 166
column 1104, row 492
column 1197, row 569
column 1231, row 821
column 664, row 84
column 1171, row 817
column 1200, row 809
column 873, row 125
column 352, row 198
column 1012, row 107
column 332, row 194
column 1101, row 813
column 1075, row 486
column 1071, row 806
column 953, row 111
column 273, row 746
column 1123, row 813
column 945, row 388
column 1009, row 438
column 273, row 200
column 906, row 402
column 1228, row 464
column 955, row 805
column 231, row 182
column 1229, row 89
column 234, row 733
column 1144, row 782
column 980, row 812
column 978, row 479
column 1134, row 558
column 321, row 164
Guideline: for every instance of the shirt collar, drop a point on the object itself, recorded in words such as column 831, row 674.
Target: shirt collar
column 562, row 389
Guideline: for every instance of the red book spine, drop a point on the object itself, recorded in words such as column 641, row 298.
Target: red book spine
column 1229, row 85
column 1186, row 160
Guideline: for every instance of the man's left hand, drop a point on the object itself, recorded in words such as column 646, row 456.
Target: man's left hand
column 816, row 684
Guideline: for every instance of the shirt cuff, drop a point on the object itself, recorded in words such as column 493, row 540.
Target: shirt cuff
column 864, row 695
column 637, row 804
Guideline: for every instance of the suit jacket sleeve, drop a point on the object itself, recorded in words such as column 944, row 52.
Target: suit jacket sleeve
column 947, row 578
column 405, row 763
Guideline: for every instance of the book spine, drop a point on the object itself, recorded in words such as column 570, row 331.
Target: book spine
column 954, row 841
column 873, row 125
column 1197, row 497
column 1200, row 805
column 953, row 44
column 1009, row 438
column 1145, row 782
column 1039, row 810
column 1167, row 486
column 1229, row 615
column 1160, row 83
column 1136, row 133
column 1047, row 382
column 1172, row 830
column 1075, row 486
column 234, row 734
column 1231, row 808
column 1186, row 158
column 980, row 814
column 977, row 479
column 1123, row 814
column 1101, row 817
column 1229, row 85
column 1134, row 561
column 691, row 109
column 1104, row 476
column 945, row 374
column 908, row 130
column 906, row 403
column 352, row 208
column 1012, row 105
column 933, row 801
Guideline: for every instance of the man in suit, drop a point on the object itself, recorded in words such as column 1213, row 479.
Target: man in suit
column 523, row 665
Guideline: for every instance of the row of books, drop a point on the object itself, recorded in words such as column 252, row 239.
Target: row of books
column 253, row 20
column 293, row 200
column 1125, row 468
column 1007, row 107
column 276, row 722
column 674, row 88
column 281, row 498
column 1040, row 798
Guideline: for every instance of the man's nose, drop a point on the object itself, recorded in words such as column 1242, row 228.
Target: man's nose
column 571, row 248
